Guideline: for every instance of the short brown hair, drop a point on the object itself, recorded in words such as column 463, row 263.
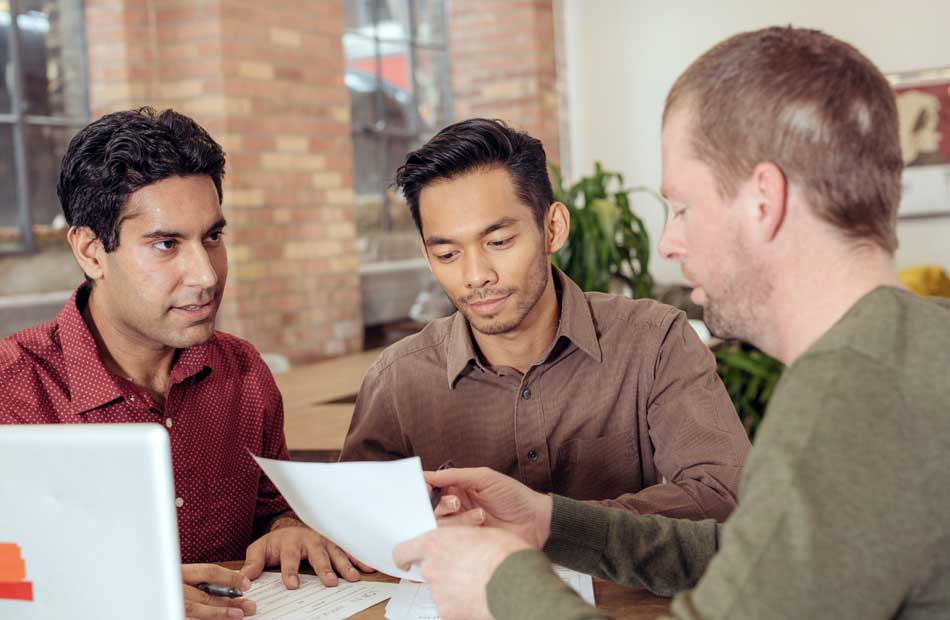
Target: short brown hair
column 812, row 105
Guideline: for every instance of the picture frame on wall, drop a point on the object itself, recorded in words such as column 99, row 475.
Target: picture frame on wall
column 923, row 108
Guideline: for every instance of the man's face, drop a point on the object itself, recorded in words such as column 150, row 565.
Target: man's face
column 706, row 235
column 485, row 249
column 163, row 283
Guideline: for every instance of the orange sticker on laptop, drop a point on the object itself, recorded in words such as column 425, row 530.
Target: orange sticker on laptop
column 13, row 584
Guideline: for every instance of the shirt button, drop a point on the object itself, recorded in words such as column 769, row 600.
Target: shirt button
column 532, row 455
column 526, row 393
column 179, row 502
column 168, row 422
column 132, row 398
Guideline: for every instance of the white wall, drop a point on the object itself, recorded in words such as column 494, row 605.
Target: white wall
column 622, row 56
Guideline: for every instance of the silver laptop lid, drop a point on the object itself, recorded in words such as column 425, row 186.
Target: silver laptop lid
column 90, row 510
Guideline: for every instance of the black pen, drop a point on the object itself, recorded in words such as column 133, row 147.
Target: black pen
column 436, row 496
column 215, row 590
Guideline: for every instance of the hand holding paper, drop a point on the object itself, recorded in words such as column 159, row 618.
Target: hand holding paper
column 365, row 508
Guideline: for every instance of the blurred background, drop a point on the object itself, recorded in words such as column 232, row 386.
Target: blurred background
column 317, row 102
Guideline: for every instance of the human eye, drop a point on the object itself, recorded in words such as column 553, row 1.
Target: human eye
column 216, row 236
column 501, row 243
column 677, row 209
column 446, row 256
column 165, row 245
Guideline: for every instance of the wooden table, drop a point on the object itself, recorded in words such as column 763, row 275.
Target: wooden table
column 325, row 382
column 318, row 404
column 622, row 602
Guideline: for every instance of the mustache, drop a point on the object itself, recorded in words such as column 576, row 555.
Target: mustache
column 478, row 296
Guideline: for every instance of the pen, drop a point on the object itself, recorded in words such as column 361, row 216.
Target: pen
column 436, row 496
column 215, row 590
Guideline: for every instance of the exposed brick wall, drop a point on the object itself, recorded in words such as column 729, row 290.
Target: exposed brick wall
column 504, row 65
column 266, row 80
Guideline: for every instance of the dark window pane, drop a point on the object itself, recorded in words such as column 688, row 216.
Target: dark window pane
column 358, row 16
column 6, row 78
column 368, row 176
column 380, row 93
column 395, row 65
column 429, row 21
column 51, row 57
column 45, row 149
column 397, row 147
column 392, row 21
column 370, row 17
column 10, row 238
column 362, row 79
column 432, row 89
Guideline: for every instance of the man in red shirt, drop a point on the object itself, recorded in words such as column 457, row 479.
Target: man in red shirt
column 142, row 194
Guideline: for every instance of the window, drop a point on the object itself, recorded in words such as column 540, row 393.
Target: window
column 43, row 101
column 397, row 72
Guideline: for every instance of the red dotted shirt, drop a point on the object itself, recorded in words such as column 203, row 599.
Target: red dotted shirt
column 221, row 402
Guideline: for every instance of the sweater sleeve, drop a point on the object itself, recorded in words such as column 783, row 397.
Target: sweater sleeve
column 662, row 554
column 525, row 587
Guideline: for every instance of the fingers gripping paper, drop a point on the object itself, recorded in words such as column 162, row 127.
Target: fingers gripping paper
column 365, row 508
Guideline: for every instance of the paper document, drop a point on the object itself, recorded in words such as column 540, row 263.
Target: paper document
column 365, row 508
column 413, row 601
column 579, row 582
column 313, row 600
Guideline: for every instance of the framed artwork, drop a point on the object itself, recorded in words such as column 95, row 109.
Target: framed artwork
column 923, row 109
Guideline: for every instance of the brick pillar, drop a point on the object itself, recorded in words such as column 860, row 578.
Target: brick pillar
column 266, row 80
column 504, row 65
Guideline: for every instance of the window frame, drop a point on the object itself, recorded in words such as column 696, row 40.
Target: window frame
column 379, row 131
column 19, row 121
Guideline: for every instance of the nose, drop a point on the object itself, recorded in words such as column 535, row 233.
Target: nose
column 479, row 271
column 672, row 244
column 199, row 269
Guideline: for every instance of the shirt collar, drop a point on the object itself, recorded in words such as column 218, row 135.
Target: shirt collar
column 91, row 385
column 575, row 323
column 460, row 350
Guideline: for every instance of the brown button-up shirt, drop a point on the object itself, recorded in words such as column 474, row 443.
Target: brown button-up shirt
column 625, row 408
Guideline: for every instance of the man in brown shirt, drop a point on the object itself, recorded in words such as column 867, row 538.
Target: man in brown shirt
column 588, row 395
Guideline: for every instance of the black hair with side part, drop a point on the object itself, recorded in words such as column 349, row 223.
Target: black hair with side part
column 122, row 152
column 479, row 144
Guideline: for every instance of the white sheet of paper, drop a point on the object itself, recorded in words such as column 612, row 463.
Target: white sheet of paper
column 579, row 582
column 413, row 601
column 365, row 508
column 313, row 600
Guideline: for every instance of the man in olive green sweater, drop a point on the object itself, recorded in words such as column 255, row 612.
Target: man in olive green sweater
column 781, row 166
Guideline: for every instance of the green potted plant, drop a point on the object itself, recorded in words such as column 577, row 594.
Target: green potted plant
column 750, row 377
column 608, row 247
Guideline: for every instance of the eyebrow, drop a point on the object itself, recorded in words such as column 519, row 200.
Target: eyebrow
column 171, row 234
column 497, row 225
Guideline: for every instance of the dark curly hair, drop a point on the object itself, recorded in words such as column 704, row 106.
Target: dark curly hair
column 479, row 144
column 112, row 157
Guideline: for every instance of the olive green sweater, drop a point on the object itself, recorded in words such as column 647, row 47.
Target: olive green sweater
column 844, row 507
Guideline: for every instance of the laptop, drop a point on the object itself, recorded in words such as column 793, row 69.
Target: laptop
column 87, row 523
